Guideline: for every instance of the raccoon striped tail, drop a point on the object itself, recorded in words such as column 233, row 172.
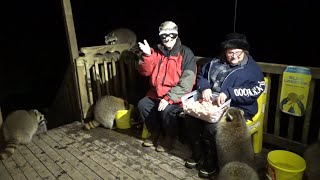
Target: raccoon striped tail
column 9, row 150
column 91, row 125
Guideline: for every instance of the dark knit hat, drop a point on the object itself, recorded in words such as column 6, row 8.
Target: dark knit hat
column 235, row 41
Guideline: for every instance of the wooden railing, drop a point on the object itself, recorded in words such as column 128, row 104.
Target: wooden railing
column 283, row 130
column 101, row 71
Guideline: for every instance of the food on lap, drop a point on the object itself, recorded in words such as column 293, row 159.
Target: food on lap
column 205, row 110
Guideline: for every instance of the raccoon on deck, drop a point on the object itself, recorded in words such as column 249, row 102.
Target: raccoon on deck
column 233, row 138
column 237, row 171
column 19, row 128
column 105, row 110
column 120, row 36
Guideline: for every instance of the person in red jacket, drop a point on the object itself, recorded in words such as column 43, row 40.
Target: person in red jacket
column 171, row 68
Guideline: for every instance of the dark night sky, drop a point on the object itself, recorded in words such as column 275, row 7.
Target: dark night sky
column 35, row 53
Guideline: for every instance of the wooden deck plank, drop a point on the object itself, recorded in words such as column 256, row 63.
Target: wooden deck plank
column 138, row 155
column 118, row 160
column 125, row 159
column 164, row 156
column 35, row 163
column 134, row 164
column 164, row 160
column 56, row 170
column 25, row 166
column 156, row 165
column 4, row 173
column 94, row 166
column 105, row 160
column 144, row 159
column 68, row 152
column 13, row 169
column 59, row 160
column 173, row 157
column 79, row 165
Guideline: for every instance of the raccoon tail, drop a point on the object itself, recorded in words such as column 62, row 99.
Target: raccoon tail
column 91, row 125
column 9, row 150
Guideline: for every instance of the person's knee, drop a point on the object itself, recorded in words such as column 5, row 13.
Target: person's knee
column 141, row 104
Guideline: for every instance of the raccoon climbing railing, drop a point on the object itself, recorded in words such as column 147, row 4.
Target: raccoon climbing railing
column 101, row 71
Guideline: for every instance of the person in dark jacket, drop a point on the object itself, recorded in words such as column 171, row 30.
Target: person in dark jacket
column 234, row 75
column 171, row 68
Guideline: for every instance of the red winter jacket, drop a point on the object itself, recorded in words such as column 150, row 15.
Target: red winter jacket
column 172, row 73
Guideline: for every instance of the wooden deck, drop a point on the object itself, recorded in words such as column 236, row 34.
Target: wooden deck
column 67, row 152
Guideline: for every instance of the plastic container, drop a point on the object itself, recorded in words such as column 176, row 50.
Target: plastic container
column 285, row 165
column 210, row 116
column 123, row 118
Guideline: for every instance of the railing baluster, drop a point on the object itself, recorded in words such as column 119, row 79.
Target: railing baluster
column 106, row 77
column 278, row 111
column 97, row 79
column 307, row 118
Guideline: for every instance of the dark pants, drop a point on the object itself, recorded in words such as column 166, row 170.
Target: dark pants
column 201, row 137
column 158, row 122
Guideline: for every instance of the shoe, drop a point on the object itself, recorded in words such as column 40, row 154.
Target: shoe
column 165, row 145
column 147, row 143
column 204, row 173
column 191, row 163
column 208, row 166
column 159, row 148
column 150, row 141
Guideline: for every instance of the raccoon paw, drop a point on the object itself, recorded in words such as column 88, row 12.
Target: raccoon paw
column 5, row 155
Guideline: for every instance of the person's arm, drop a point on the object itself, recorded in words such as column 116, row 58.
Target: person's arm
column 249, row 91
column 202, row 78
column 149, row 59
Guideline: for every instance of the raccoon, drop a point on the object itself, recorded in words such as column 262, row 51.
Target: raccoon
column 233, row 138
column 236, row 170
column 312, row 158
column 121, row 36
column 105, row 110
column 19, row 128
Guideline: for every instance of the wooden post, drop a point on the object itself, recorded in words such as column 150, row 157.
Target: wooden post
column 84, row 87
column 73, row 47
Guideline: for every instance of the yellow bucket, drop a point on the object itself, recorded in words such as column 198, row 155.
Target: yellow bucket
column 285, row 165
column 123, row 118
column 145, row 133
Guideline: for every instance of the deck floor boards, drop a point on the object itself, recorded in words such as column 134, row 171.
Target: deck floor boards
column 68, row 152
